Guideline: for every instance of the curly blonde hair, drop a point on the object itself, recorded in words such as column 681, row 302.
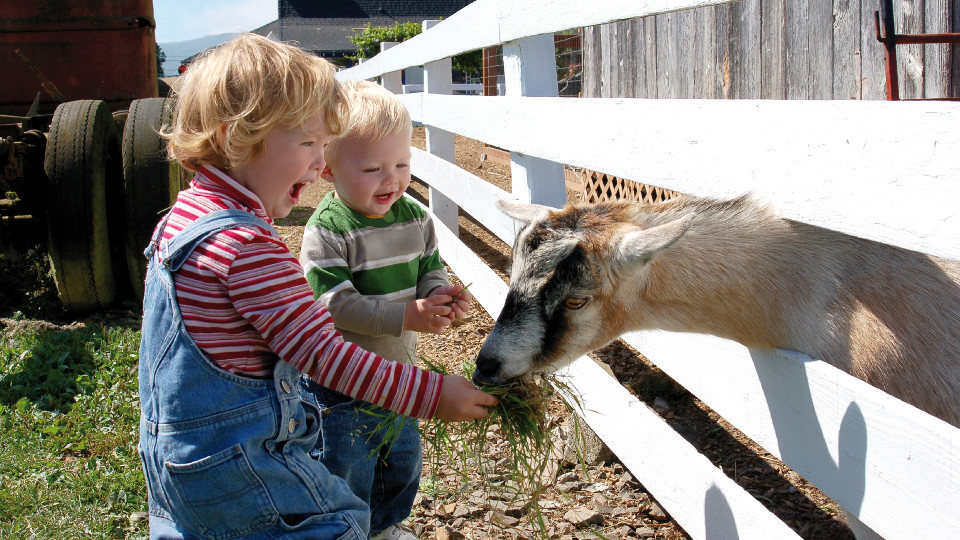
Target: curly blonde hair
column 374, row 113
column 235, row 94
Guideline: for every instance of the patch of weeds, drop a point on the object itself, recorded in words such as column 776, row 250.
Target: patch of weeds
column 69, row 463
column 47, row 369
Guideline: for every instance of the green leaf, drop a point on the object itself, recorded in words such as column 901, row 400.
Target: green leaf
column 53, row 475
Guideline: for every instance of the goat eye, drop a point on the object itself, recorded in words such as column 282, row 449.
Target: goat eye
column 575, row 302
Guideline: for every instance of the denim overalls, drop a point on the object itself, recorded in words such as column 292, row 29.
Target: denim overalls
column 227, row 456
column 388, row 479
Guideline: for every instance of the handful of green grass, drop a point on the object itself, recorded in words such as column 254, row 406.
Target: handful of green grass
column 522, row 415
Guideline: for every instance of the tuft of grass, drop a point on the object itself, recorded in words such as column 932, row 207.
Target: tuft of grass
column 69, row 418
column 522, row 418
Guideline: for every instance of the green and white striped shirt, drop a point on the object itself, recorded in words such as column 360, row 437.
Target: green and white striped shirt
column 366, row 269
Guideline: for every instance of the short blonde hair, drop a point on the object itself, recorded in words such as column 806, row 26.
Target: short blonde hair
column 374, row 113
column 250, row 85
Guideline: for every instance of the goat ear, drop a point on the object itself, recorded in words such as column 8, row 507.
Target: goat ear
column 640, row 247
column 525, row 212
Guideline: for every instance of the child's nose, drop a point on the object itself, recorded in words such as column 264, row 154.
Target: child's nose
column 318, row 161
column 391, row 176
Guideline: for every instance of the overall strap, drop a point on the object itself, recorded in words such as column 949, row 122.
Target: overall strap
column 175, row 252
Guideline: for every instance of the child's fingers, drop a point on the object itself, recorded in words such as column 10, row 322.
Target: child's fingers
column 480, row 407
column 486, row 400
column 436, row 324
column 442, row 311
column 439, row 299
column 460, row 400
column 464, row 296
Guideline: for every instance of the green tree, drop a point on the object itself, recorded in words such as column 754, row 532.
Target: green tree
column 368, row 40
column 161, row 58
column 368, row 44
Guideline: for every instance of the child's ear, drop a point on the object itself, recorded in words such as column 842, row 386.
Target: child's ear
column 222, row 134
column 327, row 174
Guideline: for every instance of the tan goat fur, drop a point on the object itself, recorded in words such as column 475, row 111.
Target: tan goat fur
column 734, row 269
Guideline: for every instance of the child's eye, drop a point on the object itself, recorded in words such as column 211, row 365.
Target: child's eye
column 402, row 165
column 371, row 169
column 308, row 143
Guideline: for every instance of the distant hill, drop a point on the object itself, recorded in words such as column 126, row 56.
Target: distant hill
column 178, row 50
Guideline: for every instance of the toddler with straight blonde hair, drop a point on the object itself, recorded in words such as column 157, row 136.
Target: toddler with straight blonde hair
column 371, row 256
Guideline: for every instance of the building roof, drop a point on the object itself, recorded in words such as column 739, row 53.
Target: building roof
column 325, row 26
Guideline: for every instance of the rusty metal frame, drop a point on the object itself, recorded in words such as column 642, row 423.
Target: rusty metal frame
column 890, row 39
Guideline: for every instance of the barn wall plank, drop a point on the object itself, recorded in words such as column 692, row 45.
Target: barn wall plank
column 607, row 71
column 797, row 27
column 640, row 53
column 774, row 51
column 820, row 45
column 936, row 81
column 909, row 19
column 668, row 76
column 705, row 62
column 592, row 60
column 686, row 41
column 627, row 65
column 743, row 63
column 872, row 70
column 649, row 44
column 846, row 49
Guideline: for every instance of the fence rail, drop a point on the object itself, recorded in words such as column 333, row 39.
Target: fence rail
column 884, row 171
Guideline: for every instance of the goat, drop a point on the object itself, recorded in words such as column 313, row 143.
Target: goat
column 584, row 275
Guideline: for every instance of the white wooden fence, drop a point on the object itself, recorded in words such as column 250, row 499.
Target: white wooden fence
column 880, row 170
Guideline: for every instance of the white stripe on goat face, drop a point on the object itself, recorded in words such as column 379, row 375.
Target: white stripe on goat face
column 533, row 327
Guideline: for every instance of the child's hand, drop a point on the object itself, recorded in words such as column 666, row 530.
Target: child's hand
column 461, row 401
column 428, row 314
column 461, row 299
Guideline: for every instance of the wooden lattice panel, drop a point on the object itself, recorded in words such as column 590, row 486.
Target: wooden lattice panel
column 600, row 187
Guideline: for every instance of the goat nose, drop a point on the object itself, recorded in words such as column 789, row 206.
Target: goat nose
column 480, row 379
column 486, row 369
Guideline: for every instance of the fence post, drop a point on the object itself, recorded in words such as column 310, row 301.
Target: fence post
column 438, row 79
column 530, row 70
column 392, row 81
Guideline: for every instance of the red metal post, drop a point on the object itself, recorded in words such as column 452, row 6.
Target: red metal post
column 889, row 40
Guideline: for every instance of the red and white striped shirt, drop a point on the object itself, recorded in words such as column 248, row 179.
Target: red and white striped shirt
column 246, row 303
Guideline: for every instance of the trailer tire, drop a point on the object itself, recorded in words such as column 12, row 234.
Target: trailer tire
column 82, row 163
column 150, row 180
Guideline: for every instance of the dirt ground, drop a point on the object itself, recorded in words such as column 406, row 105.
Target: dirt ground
column 601, row 500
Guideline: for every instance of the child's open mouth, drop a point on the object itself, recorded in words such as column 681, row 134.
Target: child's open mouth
column 383, row 198
column 296, row 190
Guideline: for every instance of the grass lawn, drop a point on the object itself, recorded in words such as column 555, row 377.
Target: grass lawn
column 69, row 419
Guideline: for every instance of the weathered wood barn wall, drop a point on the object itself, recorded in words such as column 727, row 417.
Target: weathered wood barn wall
column 772, row 49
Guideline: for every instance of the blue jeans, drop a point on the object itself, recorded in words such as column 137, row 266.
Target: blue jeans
column 388, row 479
column 226, row 456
